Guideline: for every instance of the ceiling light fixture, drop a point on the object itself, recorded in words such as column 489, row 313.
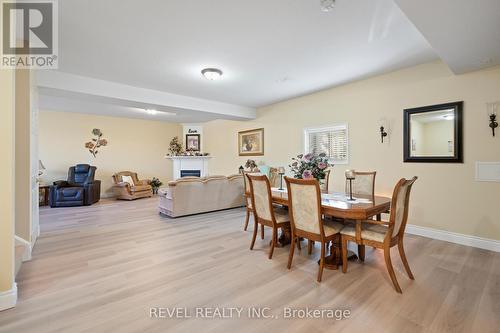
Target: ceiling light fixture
column 327, row 5
column 211, row 74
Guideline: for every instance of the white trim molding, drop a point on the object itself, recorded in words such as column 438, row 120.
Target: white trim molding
column 27, row 247
column 8, row 299
column 453, row 237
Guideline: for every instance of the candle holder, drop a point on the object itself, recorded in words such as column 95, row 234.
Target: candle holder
column 350, row 175
column 281, row 172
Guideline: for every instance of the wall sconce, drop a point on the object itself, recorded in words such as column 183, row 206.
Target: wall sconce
column 383, row 129
column 492, row 108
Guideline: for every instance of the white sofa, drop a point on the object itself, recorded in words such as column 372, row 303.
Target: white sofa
column 193, row 195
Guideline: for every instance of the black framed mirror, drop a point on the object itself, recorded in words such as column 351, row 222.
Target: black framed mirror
column 434, row 134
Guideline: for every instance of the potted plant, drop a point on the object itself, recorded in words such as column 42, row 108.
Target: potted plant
column 309, row 166
column 155, row 184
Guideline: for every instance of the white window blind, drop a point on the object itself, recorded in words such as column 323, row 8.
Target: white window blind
column 332, row 140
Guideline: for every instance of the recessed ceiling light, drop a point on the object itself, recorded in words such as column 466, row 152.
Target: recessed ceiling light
column 151, row 112
column 327, row 5
column 211, row 74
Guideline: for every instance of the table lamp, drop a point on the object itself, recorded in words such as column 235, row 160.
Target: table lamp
column 41, row 168
column 350, row 175
column 281, row 172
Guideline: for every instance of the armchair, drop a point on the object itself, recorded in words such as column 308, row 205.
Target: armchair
column 81, row 189
column 131, row 191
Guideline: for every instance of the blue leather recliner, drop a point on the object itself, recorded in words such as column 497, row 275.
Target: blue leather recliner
column 81, row 189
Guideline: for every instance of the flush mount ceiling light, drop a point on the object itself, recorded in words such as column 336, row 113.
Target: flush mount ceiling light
column 327, row 5
column 211, row 74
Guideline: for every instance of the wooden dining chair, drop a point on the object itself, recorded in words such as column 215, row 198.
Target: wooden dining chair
column 384, row 235
column 304, row 202
column 324, row 185
column 248, row 201
column 363, row 184
column 264, row 212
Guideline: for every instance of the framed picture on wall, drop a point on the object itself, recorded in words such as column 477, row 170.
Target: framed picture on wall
column 193, row 142
column 251, row 142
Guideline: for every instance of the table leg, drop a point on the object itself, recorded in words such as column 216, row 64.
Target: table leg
column 334, row 260
column 285, row 237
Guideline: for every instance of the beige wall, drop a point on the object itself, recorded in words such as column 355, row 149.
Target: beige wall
column 23, row 165
column 135, row 145
column 7, row 171
column 445, row 197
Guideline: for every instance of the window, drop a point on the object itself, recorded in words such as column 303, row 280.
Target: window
column 331, row 140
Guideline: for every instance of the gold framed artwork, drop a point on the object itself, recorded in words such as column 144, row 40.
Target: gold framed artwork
column 251, row 142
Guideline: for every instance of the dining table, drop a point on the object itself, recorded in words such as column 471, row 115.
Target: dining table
column 338, row 205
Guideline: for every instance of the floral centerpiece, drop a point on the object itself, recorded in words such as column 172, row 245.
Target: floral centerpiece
column 252, row 165
column 309, row 166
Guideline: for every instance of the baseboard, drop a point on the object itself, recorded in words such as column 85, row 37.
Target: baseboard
column 453, row 237
column 35, row 235
column 27, row 248
column 8, row 299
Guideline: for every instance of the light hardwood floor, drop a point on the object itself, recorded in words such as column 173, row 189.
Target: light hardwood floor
column 101, row 268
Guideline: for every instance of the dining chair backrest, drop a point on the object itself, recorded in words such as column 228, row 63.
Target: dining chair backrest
column 324, row 185
column 245, row 179
column 260, row 191
column 304, row 202
column 363, row 184
column 399, row 206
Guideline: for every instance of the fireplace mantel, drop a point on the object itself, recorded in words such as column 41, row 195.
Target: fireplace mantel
column 188, row 157
column 189, row 163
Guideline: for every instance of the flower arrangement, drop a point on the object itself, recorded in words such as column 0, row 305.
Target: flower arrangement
column 175, row 146
column 96, row 142
column 155, row 184
column 309, row 166
column 250, row 164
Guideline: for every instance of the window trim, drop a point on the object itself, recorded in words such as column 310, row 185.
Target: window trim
column 332, row 127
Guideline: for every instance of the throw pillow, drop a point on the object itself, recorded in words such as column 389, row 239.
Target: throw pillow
column 128, row 179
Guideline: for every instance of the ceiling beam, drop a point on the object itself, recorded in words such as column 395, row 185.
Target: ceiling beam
column 88, row 89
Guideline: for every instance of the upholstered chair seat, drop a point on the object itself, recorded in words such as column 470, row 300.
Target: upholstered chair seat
column 249, row 202
column 332, row 227
column 281, row 215
column 375, row 233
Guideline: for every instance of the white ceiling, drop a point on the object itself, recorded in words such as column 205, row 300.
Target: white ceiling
column 269, row 50
column 464, row 33
column 119, row 57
